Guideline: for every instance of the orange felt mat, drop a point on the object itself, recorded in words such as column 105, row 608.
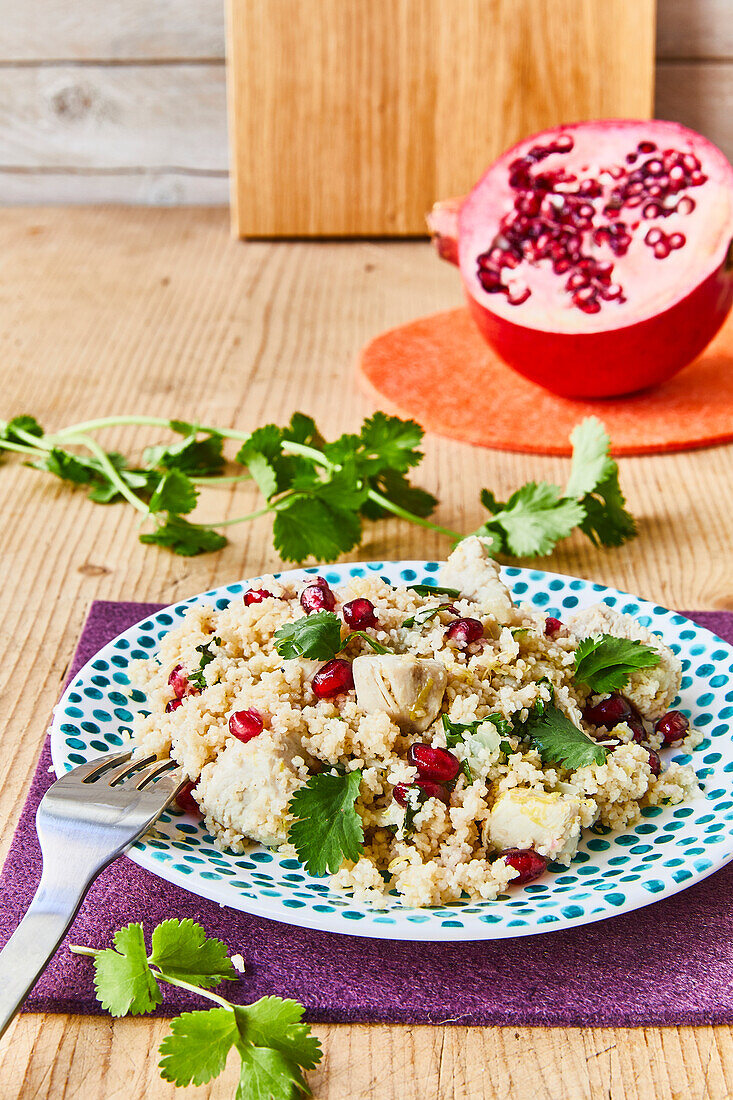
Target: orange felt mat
column 439, row 371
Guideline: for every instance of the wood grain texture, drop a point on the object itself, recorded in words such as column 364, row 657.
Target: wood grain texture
column 96, row 116
column 694, row 28
column 351, row 117
column 699, row 95
column 60, row 30
column 159, row 312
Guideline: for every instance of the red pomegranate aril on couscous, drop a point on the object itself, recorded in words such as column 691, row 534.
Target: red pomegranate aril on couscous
column 610, row 712
column 672, row 726
column 552, row 625
column 654, row 762
column 431, row 763
column 255, row 595
column 359, row 614
column 185, row 799
column 529, row 863
column 427, row 788
column 333, row 679
column 317, row 597
column 246, row 724
column 174, row 704
column 463, row 632
column 178, row 680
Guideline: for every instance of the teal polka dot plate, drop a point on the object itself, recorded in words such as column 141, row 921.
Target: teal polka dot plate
column 668, row 850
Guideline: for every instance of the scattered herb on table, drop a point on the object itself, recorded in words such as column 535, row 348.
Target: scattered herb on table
column 274, row 1046
column 327, row 828
column 558, row 741
column 318, row 637
column 318, row 493
column 605, row 662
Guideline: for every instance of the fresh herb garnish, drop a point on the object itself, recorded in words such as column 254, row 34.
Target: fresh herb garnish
column 425, row 614
column 506, row 748
column 274, row 1046
column 538, row 515
column 605, row 662
column 327, row 828
column 457, row 732
column 318, row 493
column 433, row 590
column 318, row 637
column 197, row 677
column 559, row 741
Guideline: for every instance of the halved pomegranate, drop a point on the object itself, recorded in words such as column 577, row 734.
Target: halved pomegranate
column 596, row 257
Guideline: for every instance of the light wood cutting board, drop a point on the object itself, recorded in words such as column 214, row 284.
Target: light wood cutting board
column 350, row 117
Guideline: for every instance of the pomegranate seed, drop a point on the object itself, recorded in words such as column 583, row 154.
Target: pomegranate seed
column 255, row 595
column 690, row 162
column 654, row 762
column 425, row 786
column 464, row 631
column 672, row 726
column 437, row 764
column 654, row 167
column 552, row 625
column 654, row 236
column 588, row 305
column 178, row 680
column 529, row 863
column 174, row 704
column 686, row 205
column 676, row 240
column 517, row 295
column 609, row 712
column 646, row 147
column 564, row 143
column 651, row 210
column 334, row 678
column 637, row 729
column 359, row 614
column 246, row 724
column 185, row 799
column 317, row 597
column 662, row 250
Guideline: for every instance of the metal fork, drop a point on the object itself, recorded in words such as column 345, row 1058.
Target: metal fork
column 84, row 821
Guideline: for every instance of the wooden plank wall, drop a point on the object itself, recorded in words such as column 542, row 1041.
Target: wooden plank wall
column 105, row 102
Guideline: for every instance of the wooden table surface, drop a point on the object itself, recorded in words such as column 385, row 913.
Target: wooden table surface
column 158, row 312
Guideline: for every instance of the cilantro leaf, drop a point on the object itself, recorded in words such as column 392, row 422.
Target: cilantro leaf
column 182, row 949
column 456, row 732
column 591, row 463
column 191, row 455
column 401, row 492
column 317, row 637
column 197, row 676
column 122, row 977
column 309, row 527
column 196, row 1049
column 184, row 538
column 432, row 590
column 425, row 614
column 67, row 466
column 559, row 741
column 27, row 424
column 605, row 662
column 327, row 828
column 390, row 443
column 273, row 470
column 175, row 492
column 533, row 519
column 267, row 1074
column 277, row 1023
column 607, row 523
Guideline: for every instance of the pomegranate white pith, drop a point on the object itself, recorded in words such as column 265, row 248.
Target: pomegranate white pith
column 594, row 255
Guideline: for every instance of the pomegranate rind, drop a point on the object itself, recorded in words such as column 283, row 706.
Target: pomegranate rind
column 443, row 226
column 674, row 308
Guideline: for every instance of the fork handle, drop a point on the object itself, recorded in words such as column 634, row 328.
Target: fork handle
column 36, row 938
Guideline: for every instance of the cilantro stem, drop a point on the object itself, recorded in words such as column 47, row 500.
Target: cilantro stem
column 192, row 988
column 240, row 519
column 141, row 421
column 21, row 448
column 101, row 456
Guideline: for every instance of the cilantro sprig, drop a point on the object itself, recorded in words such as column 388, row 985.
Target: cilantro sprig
column 274, row 1046
column 559, row 741
column 327, row 828
column 605, row 662
column 318, row 637
column 319, row 494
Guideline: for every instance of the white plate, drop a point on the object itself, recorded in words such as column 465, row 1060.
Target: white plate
column 670, row 849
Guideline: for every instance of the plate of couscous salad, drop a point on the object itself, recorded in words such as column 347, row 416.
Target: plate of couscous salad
column 422, row 750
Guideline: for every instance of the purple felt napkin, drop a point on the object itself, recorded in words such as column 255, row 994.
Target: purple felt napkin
column 670, row 963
